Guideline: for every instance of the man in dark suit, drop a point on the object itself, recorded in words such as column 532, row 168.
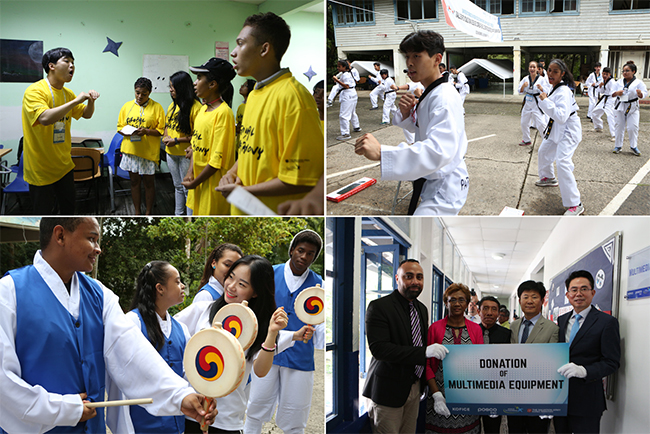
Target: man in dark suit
column 493, row 333
column 396, row 327
column 594, row 353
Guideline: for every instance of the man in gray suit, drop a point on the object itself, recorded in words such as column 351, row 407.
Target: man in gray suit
column 532, row 328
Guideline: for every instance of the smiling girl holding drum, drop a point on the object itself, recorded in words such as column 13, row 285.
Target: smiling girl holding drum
column 249, row 279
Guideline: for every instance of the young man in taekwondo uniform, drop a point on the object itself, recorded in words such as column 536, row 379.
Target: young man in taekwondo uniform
column 48, row 109
column 290, row 381
column 282, row 148
column 437, row 156
column 62, row 334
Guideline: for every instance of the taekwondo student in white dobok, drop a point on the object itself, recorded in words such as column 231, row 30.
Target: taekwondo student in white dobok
column 437, row 156
column 628, row 92
column 290, row 381
column 592, row 84
column 64, row 340
column 335, row 91
column 561, row 137
column 460, row 82
column 605, row 104
column 416, row 89
column 389, row 89
column 348, row 99
column 530, row 111
column 377, row 91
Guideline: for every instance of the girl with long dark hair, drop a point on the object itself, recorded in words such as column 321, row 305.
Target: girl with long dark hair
column 179, row 125
column 214, row 273
column 561, row 136
column 213, row 140
column 250, row 278
column 629, row 91
column 158, row 288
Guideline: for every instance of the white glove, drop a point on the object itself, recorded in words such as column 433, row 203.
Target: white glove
column 571, row 370
column 546, row 417
column 440, row 404
column 436, row 350
column 494, row 415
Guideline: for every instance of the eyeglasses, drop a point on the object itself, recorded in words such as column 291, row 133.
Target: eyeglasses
column 457, row 300
column 574, row 291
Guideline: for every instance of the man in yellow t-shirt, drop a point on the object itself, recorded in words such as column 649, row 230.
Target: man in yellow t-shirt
column 282, row 150
column 48, row 109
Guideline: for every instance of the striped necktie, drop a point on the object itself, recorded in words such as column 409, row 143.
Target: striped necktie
column 416, row 333
column 524, row 335
column 575, row 327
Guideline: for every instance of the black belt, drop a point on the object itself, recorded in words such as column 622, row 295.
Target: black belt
column 549, row 127
column 390, row 91
column 628, row 107
column 417, row 190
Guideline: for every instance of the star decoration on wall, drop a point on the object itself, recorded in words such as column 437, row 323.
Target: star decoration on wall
column 310, row 73
column 112, row 46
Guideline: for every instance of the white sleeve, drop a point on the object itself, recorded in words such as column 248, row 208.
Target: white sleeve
column 190, row 317
column 438, row 149
column 591, row 79
column 407, row 124
column 30, row 408
column 319, row 336
column 559, row 108
column 521, row 83
column 642, row 87
column 205, row 295
column 136, row 367
column 135, row 318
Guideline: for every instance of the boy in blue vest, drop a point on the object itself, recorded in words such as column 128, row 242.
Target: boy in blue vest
column 291, row 379
column 61, row 332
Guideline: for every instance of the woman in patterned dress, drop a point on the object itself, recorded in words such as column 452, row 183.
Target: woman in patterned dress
column 451, row 330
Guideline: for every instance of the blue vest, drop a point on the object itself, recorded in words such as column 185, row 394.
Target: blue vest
column 301, row 355
column 213, row 292
column 172, row 353
column 57, row 352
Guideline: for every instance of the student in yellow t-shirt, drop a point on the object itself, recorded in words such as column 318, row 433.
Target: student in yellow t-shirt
column 48, row 109
column 244, row 90
column 213, row 140
column 141, row 148
column 319, row 94
column 179, row 125
column 282, row 150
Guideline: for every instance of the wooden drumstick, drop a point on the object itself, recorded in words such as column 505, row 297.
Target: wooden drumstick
column 118, row 402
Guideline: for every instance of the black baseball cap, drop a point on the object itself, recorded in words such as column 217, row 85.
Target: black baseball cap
column 212, row 65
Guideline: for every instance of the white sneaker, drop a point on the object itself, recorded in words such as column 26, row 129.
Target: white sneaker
column 613, row 139
column 547, row 182
column 575, row 210
column 342, row 138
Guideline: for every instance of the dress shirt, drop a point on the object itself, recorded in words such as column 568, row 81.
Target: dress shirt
column 572, row 320
column 530, row 329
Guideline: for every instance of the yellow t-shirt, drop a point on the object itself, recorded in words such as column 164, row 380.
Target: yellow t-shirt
column 172, row 127
column 151, row 116
column 213, row 143
column 238, row 119
column 281, row 137
column 45, row 162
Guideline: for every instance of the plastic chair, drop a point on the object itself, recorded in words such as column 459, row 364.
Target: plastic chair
column 18, row 185
column 87, row 169
column 112, row 160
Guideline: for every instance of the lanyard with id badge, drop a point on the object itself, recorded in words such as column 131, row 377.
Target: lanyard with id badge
column 59, row 126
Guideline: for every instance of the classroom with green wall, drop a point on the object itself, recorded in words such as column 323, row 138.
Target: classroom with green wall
column 145, row 28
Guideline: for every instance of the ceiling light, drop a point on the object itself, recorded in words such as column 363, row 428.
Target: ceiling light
column 498, row 256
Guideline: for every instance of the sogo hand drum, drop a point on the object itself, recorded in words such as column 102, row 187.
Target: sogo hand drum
column 310, row 306
column 240, row 320
column 214, row 363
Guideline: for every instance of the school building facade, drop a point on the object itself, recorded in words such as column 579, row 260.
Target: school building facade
column 609, row 31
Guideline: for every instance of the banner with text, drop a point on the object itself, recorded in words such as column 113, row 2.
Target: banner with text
column 515, row 379
column 465, row 16
column 638, row 278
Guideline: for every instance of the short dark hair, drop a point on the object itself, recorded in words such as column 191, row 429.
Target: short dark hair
column 531, row 285
column 442, row 65
column 504, row 310
column 383, row 71
column 608, row 70
column 407, row 260
column 250, row 84
column 454, row 287
column 307, row 236
column 270, row 28
column 423, row 40
column 143, row 82
column 53, row 56
column 377, row 63
column 319, row 85
column 47, row 225
column 579, row 273
column 489, row 298
column 597, row 64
